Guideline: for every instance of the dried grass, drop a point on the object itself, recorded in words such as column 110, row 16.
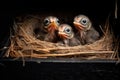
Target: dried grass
column 24, row 44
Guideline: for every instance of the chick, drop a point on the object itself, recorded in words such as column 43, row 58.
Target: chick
column 85, row 31
column 66, row 35
column 48, row 29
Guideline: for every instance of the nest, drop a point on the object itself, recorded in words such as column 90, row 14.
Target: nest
column 23, row 43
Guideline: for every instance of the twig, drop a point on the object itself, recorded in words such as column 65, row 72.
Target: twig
column 116, row 8
column 76, row 53
column 102, row 29
column 22, row 57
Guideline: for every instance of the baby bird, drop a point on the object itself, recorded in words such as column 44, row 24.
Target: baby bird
column 49, row 28
column 66, row 35
column 85, row 30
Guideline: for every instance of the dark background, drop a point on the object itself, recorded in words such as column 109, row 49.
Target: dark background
column 97, row 10
column 66, row 70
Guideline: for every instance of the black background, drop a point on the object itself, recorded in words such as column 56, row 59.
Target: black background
column 98, row 12
column 83, row 70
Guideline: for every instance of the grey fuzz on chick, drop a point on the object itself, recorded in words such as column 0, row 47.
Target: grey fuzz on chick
column 66, row 35
column 85, row 31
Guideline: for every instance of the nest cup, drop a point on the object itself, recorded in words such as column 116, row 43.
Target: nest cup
column 23, row 43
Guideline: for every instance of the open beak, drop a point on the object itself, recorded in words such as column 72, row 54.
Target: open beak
column 52, row 26
column 78, row 26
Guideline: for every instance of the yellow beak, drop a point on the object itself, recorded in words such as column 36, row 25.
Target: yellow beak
column 52, row 26
column 78, row 26
column 62, row 35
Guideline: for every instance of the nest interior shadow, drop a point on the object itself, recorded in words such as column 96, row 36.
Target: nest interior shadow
column 23, row 42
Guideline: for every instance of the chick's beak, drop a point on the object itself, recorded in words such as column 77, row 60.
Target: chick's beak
column 78, row 26
column 62, row 35
column 52, row 26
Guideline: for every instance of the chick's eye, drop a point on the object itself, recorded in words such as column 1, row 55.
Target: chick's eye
column 46, row 22
column 57, row 20
column 67, row 30
column 83, row 21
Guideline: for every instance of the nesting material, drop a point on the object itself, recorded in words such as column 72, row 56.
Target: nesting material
column 25, row 44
